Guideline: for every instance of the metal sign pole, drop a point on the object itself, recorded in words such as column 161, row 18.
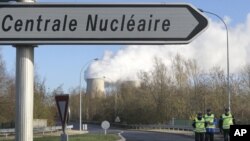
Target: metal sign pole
column 24, row 90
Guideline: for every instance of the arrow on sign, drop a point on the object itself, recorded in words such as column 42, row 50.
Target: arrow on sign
column 100, row 23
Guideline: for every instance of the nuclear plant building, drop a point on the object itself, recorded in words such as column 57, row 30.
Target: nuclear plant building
column 95, row 87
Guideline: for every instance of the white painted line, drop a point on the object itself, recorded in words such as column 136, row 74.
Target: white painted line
column 122, row 138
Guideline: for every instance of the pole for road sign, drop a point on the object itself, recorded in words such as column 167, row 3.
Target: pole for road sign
column 24, row 90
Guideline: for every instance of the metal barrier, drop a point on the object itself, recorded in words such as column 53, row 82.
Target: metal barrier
column 162, row 126
column 159, row 126
column 6, row 132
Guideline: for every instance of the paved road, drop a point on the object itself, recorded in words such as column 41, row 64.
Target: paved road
column 133, row 135
column 96, row 129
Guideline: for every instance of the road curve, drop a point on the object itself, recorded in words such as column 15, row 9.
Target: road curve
column 133, row 135
column 153, row 136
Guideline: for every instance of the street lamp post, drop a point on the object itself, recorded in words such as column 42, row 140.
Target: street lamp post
column 228, row 84
column 80, row 92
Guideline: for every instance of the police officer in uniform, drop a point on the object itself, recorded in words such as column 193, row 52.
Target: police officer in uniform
column 226, row 120
column 199, row 127
column 210, row 126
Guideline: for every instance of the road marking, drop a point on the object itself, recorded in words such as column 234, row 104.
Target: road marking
column 120, row 135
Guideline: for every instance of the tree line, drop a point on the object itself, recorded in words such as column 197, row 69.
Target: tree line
column 44, row 104
column 178, row 91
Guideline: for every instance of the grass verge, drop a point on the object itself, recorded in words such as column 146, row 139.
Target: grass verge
column 85, row 137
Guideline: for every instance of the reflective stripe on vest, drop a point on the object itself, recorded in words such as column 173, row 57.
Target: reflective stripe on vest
column 200, row 125
column 227, row 121
column 210, row 121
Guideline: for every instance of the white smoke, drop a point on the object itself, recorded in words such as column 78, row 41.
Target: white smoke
column 209, row 49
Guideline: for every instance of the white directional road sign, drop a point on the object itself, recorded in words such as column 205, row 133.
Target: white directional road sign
column 34, row 23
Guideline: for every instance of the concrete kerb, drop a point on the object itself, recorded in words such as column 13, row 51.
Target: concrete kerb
column 179, row 132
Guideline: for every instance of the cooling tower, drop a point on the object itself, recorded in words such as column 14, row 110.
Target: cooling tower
column 95, row 87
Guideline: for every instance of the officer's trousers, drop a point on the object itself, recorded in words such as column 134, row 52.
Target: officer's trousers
column 199, row 136
column 226, row 134
column 209, row 136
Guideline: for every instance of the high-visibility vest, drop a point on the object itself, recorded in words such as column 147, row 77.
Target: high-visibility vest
column 199, row 125
column 210, row 121
column 227, row 121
